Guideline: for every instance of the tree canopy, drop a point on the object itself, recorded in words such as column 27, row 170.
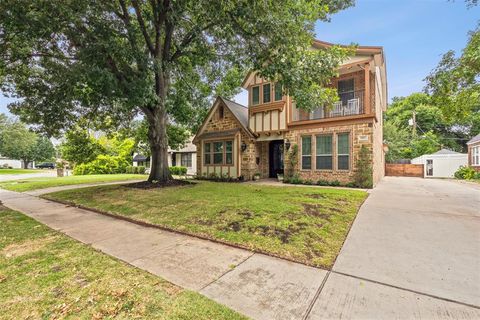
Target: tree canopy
column 107, row 61
column 18, row 142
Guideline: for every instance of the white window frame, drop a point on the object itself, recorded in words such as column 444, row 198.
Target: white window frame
column 476, row 156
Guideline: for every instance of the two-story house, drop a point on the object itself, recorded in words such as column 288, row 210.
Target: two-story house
column 240, row 141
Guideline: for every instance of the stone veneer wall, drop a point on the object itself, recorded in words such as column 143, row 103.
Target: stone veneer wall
column 355, row 130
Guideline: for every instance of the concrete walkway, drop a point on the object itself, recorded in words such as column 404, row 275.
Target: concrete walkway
column 385, row 270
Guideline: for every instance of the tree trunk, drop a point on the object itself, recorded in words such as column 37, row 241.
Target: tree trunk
column 25, row 164
column 157, row 136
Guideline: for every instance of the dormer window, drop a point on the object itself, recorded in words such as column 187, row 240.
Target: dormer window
column 266, row 93
column 255, row 95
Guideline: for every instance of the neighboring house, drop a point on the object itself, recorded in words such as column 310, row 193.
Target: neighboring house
column 241, row 141
column 474, row 152
column 16, row 164
column 441, row 164
column 185, row 157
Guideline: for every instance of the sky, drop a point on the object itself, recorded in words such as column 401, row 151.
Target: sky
column 414, row 35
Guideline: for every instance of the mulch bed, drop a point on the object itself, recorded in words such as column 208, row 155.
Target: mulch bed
column 156, row 185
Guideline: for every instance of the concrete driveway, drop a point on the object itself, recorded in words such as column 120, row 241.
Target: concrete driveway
column 413, row 252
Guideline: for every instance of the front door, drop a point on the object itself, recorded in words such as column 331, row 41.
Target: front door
column 275, row 158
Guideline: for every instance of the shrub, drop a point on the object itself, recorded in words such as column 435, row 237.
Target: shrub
column 335, row 183
column 351, row 185
column 308, row 182
column 141, row 169
column 103, row 164
column 363, row 176
column 465, row 172
column 129, row 169
column 477, row 175
column 178, row 170
column 323, row 182
column 295, row 179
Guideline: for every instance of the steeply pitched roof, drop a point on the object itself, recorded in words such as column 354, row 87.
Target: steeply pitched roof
column 238, row 110
column 140, row 158
column 474, row 139
column 189, row 147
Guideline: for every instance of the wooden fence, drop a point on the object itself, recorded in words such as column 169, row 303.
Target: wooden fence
column 404, row 170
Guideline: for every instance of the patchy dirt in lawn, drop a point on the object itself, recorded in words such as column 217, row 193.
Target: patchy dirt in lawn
column 19, row 249
column 156, row 185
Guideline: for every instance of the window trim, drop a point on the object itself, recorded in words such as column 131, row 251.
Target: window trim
column 301, row 153
column 337, row 154
column 224, row 153
column 331, row 154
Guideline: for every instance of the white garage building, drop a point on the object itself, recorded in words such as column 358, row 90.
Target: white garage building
column 441, row 164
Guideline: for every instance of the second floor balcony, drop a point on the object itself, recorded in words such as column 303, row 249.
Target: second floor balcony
column 349, row 104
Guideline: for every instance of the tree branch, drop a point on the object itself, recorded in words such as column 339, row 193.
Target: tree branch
column 189, row 37
column 143, row 28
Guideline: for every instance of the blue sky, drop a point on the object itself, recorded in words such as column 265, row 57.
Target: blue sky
column 414, row 34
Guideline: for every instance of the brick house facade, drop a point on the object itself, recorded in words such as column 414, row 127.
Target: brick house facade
column 241, row 141
column 473, row 147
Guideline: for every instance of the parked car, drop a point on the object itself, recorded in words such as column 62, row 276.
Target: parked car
column 46, row 165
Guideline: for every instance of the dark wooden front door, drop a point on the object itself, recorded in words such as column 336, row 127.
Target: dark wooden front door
column 275, row 159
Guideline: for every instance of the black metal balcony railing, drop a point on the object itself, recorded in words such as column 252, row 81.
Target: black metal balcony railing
column 350, row 103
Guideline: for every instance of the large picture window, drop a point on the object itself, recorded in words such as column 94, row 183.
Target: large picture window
column 217, row 153
column 324, row 152
column 266, row 93
column 255, row 95
column 186, row 160
column 343, row 151
column 306, row 153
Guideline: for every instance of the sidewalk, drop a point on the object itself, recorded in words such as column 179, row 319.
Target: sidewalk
column 256, row 285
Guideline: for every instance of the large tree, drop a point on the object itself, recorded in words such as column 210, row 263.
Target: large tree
column 107, row 61
column 18, row 142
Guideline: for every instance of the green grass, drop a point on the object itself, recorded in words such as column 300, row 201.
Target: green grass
column 308, row 225
column 18, row 171
column 46, row 182
column 46, row 275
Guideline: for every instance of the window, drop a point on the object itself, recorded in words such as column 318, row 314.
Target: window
column 229, row 152
column 306, row 153
column 278, row 92
column 324, row 152
column 217, row 153
column 476, row 156
column 255, row 95
column 220, row 112
column 266, row 93
column 343, row 151
column 346, row 90
column 186, row 160
column 207, row 153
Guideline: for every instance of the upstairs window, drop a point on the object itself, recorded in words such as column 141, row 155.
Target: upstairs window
column 278, row 92
column 306, row 152
column 220, row 113
column 255, row 95
column 266, row 93
column 324, row 152
column 343, row 151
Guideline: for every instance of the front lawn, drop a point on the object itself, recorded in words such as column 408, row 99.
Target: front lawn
column 46, row 275
column 47, row 182
column 305, row 224
column 18, row 171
